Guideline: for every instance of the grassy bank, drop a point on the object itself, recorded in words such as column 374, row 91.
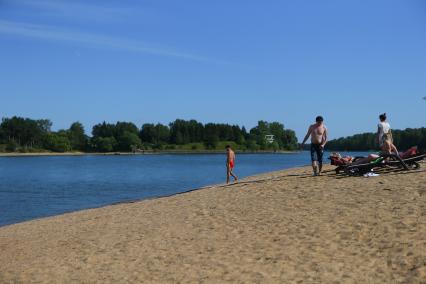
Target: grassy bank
column 148, row 152
column 190, row 148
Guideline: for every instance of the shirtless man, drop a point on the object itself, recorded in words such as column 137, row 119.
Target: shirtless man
column 318, row 133
column 230, row 163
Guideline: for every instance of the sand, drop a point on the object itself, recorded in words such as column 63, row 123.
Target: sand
column 282, row 227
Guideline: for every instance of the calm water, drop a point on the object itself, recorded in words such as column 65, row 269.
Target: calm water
column 34, row 187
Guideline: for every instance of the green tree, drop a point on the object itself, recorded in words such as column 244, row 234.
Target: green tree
column 147, row 133
column 211, row 141
column 275, row 146
column 277, row 129
column 109, row 137
column 195, row 131
column 211, row 136
column 258, row 133
column 179, row 138
column 122, row 127
column 129, row 141
column 403, row 139
column 11, row 146
column 251, row 145
column 162, row 134
column 289, row 140
column 104, row 144
column 77, row 137
column 155, row 134
column 24, row 131
column 103, row 130
column 177, row 132
column 44, row 125
column 183, row 132
column 57, row 142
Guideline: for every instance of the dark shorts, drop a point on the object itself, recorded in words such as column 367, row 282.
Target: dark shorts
column 316, row 153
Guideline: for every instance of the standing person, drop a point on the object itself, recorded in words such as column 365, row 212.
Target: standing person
column 230, row 164
column 384, row 136
column 318, row 134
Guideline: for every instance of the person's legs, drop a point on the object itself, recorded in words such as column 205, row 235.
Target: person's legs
column 320, row 153
column 228, row 173
column 314, row 159
column 394, row 149
column 387, row 147
column 233, row 175
column 315, row 167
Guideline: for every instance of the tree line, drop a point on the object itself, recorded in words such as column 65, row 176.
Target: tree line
column 403, row 139
column 29, row 135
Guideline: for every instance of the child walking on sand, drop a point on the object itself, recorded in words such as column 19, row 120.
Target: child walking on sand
column 230, row 164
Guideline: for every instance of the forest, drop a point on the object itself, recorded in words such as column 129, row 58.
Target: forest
column 403, row 139
column 18, row 134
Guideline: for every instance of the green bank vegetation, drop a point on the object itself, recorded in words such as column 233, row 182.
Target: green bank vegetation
column 27, row 135
column 403, row 139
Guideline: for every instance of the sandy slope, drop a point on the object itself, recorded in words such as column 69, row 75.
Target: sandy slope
column 280, row 227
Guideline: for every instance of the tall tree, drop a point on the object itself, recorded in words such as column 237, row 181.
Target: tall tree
column 122, row 127
column 24, row 131
column 147, row 133
column 162, row 133
column 103, row 130
column 103, row 144
column 211, row 136
column 128, row 141
column 57, row 142
column 77, row 138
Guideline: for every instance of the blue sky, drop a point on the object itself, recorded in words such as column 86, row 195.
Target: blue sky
column 215, row 61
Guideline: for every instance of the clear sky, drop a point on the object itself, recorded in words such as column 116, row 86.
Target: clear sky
column 233, row 61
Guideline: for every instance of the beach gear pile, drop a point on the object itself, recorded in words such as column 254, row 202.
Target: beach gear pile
column 360, row 166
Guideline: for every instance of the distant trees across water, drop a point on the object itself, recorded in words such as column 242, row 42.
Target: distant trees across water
column 403, row 139
column 28, row 135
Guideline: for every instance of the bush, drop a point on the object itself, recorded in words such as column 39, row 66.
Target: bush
column 171, row 147
column 22, row 150
column 104, row 144
column 11, row 146
column 57, row 143
column 275, row 146
column 211, row 142
column 221, row 145
column 158, row 146
column 129, row 141
column 252, row 146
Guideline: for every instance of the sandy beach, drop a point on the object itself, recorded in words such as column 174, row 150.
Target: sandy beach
column 281, row 227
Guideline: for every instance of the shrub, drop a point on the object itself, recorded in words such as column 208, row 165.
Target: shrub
column 11, row 146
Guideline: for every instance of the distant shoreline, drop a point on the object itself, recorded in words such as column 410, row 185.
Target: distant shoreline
column 165, row 152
